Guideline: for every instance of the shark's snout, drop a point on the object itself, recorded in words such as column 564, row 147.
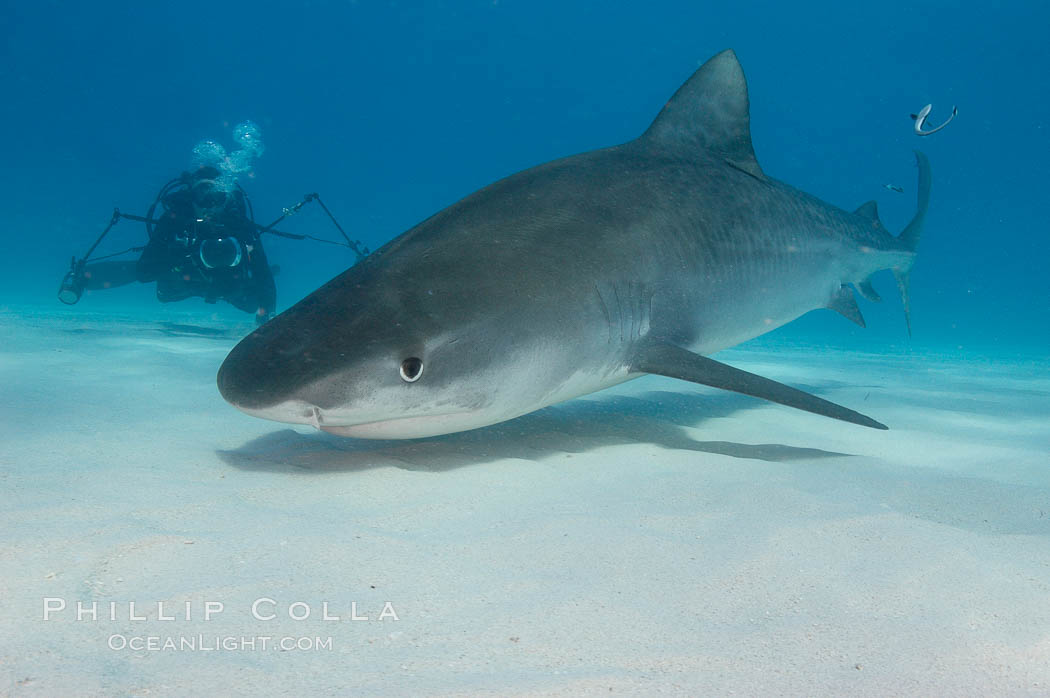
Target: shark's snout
column 253, row 377
column 237, row 387
column 244, row 387
column 248, row 383
column 283, row 375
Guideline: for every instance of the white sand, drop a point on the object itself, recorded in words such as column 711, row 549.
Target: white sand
column 656, row 538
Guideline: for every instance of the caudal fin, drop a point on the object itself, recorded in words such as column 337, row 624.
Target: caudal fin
column 910, row 237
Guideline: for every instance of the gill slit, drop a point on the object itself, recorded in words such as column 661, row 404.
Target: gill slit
column 605, row 312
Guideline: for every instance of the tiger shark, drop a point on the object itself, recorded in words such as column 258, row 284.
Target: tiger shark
column 574, row 276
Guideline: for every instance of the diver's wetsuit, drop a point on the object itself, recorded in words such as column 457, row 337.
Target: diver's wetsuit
column 172, row 258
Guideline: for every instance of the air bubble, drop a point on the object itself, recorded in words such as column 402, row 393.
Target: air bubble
column 209, row 153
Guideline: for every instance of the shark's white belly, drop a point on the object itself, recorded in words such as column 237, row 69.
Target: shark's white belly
column 733, row 316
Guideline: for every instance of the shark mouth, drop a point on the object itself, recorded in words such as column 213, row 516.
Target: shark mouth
column 409, row 427
column 394, row 427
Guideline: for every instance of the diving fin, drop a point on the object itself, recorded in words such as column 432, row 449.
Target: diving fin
column 674, row 362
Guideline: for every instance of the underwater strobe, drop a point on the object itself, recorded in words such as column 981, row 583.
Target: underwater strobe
column 72, row 286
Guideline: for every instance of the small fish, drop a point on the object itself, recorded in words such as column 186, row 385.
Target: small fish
column 920, row 120
column 894, row 187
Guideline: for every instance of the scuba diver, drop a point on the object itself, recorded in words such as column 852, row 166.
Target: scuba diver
column 205, row 242
column 206, row 245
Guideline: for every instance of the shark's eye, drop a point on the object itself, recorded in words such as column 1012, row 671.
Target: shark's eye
column 411, row 369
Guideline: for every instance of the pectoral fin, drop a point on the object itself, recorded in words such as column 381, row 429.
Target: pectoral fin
column 675, row 362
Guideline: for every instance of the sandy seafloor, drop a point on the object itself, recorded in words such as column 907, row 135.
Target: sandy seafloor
column 654, row 538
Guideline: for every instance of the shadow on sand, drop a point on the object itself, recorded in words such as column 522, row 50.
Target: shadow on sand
column 168, row 329
column 659, row 418
column 175, row 329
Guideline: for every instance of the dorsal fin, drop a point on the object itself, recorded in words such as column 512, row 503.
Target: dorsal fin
column 869, row 210
column 709, row 112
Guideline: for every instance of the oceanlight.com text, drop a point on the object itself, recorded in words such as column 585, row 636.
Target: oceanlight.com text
column 217, row 643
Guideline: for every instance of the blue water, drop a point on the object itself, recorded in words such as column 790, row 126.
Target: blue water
column 663, row 538
column 392, row 111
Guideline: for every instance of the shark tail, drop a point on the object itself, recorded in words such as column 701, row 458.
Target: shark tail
column 909, row 239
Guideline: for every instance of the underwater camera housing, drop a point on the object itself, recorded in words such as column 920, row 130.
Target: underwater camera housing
column 220, row 252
